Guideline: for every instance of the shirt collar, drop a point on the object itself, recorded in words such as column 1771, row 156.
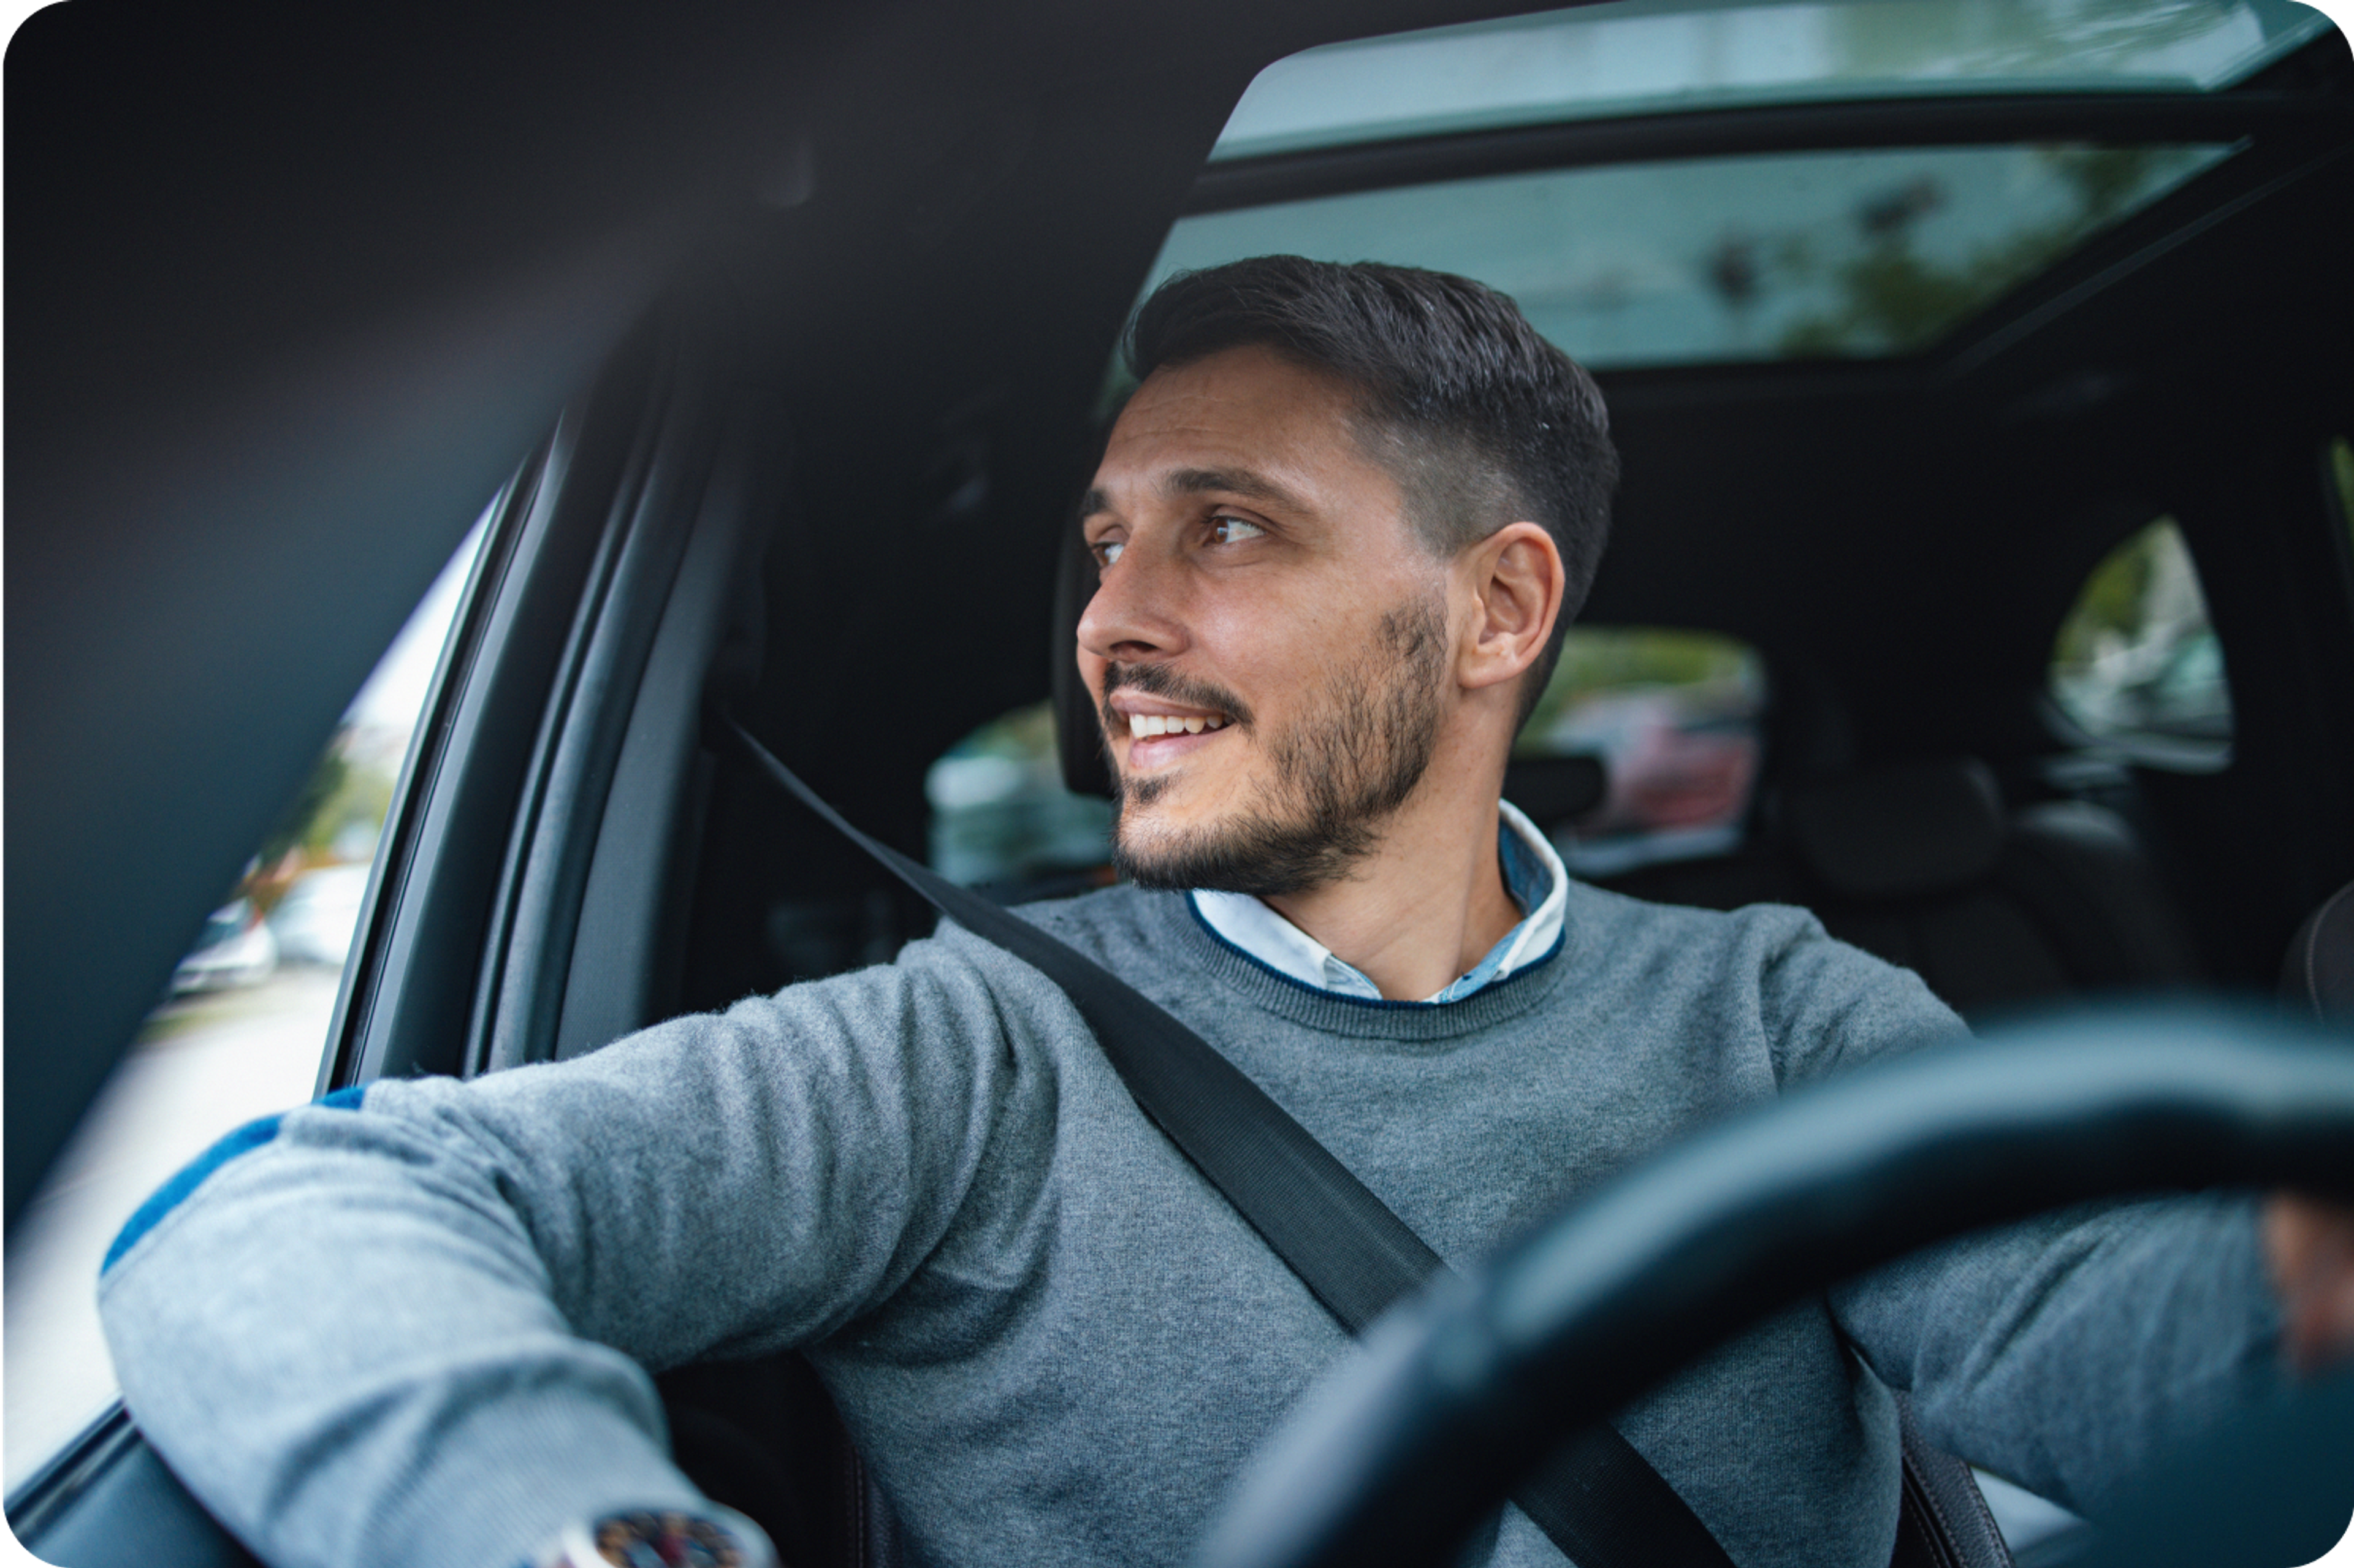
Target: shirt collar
column 1534, row 876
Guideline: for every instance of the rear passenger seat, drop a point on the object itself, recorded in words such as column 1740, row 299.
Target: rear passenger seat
column 1921, row 864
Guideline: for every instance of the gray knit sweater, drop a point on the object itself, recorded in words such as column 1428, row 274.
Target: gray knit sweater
column 415, row 1332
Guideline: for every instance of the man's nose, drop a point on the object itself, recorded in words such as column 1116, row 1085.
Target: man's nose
column 1135, row 613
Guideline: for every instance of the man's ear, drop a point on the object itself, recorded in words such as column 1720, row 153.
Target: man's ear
column 1517, row 583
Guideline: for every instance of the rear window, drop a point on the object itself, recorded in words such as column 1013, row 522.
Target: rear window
column 2137, row 667
column 1001, row 819
column 1673, row 715
column 1675, row 718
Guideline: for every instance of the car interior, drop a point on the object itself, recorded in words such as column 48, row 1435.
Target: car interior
column 807, row 455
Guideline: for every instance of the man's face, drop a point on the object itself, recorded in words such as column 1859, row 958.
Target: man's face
column 1269, row 644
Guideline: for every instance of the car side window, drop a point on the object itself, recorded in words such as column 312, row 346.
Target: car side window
column 240, row 1032
column 2137, row 667
column 1674, row 718
column 1003, row 820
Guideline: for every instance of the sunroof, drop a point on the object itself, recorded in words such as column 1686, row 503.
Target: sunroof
column 1803, row 255
column 1641, row 57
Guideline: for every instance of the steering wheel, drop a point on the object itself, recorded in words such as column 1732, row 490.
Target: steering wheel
column 1457, row 1395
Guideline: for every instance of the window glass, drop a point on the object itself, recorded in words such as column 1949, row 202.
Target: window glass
column 241, row 1033
column 1000, row 816
column 1806, row 255
column 2137, row 663
column 1675, row 718
column 1637, row 56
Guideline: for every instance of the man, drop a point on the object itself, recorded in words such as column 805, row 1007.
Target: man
column 1338, row 529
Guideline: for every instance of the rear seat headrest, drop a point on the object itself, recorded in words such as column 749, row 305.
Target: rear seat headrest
column 1556, row 791
column 1908, row 829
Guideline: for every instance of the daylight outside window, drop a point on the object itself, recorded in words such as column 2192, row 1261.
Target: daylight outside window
column 1001, row 819
column 240, row 1034
column 1639, row 57
column 1784, row 256
column 1674, row 716
column 1802, row 255
column 2138, row 664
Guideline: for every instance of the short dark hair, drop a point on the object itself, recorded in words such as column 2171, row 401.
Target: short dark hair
column 1482, row 421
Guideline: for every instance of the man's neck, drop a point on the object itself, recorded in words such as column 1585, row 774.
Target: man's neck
column 1423, row 906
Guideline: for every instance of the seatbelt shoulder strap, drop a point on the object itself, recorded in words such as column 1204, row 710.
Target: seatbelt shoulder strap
column 1597, row 1498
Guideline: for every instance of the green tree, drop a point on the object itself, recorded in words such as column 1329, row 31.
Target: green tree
column 330, row 778
column 1893, row 298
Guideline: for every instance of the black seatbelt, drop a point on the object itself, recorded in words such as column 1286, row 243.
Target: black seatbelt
column 1594, row 1497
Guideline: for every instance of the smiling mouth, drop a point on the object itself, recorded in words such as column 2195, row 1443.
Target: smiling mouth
column 1188, row 708
column 1141, row 726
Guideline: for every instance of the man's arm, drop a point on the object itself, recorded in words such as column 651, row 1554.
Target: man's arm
column 2067, row 1352
column 412, row 1332
column 2071, row 1351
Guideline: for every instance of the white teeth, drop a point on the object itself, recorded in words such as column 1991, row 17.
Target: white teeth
column 1143, row 725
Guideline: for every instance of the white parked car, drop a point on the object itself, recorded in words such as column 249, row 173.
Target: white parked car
column 315, row 922
column 237, row 948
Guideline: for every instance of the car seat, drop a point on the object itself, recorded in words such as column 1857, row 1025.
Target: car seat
column 1920, row 864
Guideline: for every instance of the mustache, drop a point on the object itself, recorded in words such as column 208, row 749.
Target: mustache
column 1160, row 681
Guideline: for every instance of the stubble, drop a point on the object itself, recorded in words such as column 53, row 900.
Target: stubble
column 1335, row 775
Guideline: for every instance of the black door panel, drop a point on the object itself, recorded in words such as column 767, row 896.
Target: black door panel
column 108, row 1502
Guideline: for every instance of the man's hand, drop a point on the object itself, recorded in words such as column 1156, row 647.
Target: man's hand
column 2309, row 1246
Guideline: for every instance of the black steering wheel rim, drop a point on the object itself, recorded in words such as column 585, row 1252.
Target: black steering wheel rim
column 1459, row 1394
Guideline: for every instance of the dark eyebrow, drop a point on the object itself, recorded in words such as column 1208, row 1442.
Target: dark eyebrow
column 1234, row 482
column 1201, row 482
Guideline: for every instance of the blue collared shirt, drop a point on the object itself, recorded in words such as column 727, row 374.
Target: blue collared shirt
column 1534, row 876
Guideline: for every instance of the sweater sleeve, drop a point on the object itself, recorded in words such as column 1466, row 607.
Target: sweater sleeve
column 416, row 1330
column 2065, row 1352
column 2070, row 1352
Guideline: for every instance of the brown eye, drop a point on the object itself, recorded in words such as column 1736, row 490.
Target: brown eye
column 1234, row 530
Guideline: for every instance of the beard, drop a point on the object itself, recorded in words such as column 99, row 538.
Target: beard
column 1338, row 772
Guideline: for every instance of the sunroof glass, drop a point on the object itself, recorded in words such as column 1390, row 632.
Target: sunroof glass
column 1806, row 255
column 1649, row 55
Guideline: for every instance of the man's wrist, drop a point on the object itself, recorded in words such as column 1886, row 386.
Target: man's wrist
column 705, row 1537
